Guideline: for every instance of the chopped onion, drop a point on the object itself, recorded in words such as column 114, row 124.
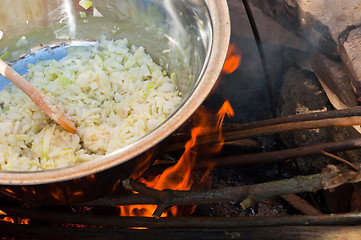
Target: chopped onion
column 96, row 13
column 85, row 4
column 21, row 42
column 115, row 94
column 82, row 14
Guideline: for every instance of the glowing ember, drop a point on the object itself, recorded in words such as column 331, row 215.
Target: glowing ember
column 233, row 59
column 8, row 219
column 24, row 220
column 11, row 220
column 178, row 177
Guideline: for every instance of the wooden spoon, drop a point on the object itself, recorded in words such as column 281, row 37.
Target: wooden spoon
column 45, row 104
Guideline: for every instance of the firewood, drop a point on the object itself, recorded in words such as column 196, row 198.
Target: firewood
column 350, row 50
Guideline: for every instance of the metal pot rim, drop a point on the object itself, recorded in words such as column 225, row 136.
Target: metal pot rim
column 220, row 41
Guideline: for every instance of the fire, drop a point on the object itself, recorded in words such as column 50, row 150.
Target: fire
column 178, row 177
column 233, row 59
column 8, row 219
column 226, row 109
column 24, row 221
column 11, row 220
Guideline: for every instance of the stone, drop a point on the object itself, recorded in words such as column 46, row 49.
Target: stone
column 318, row 22
column 270, row 31
column 296, row 85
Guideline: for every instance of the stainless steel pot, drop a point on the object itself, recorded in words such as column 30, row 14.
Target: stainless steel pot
column 188, row 37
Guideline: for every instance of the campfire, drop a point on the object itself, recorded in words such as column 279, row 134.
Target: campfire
column 234, row 169
column 178, row 177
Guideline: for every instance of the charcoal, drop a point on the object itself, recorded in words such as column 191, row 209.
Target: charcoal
column 271, row 207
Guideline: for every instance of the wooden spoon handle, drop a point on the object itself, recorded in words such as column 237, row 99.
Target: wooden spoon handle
column 45, row 104
column 15, row 78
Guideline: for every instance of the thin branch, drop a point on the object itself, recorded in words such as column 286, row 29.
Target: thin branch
column 339, row 159
column 248, row 202
column 350, row 117
column 58, row 217
column 213, row 229
column 349, row 112
column 301, row 205
column 314, row 116
column 150, row 192
column 293, row 126
column 281, row 155
column 169, row 198
column 159, row 210
column 131, row 199
column 146, row 191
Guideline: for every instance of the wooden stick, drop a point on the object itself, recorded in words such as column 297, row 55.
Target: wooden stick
column 58, row 217
column 167, row 198
column 339, row 159
column 337, row 118
column 349, row 112
column 281, row 155
column 44, row 103
column 14, row 231
column 301, row 205
column 293, row 126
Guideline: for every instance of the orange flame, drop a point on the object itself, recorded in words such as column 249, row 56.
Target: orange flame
column 178, row 177
column 11, row 220
column 24, row 221
column 233, row 59
column 226, row 109
column 8, row 219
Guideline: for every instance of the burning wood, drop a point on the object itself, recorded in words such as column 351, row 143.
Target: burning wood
column 315, row 120
column 331, row 177
column 178, row 177
column 164, row 194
